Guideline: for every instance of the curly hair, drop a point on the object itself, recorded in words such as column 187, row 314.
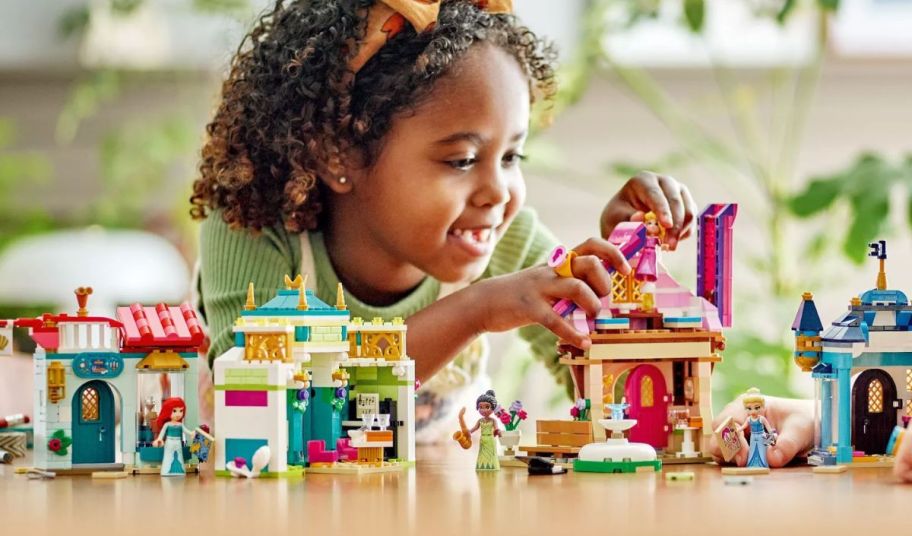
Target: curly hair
column 488, row 397
column 291, row 108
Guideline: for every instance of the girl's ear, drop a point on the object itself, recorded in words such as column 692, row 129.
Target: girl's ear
column 341, row 181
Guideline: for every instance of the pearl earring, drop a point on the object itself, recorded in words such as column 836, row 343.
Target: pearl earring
column 343, row 180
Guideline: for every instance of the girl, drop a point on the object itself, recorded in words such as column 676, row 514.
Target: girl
column 171, row 423
column 378, row 144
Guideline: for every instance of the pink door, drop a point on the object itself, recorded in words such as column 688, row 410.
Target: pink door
column 646, row 394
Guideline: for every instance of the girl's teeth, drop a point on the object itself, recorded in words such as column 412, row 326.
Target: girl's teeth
column 474, row 236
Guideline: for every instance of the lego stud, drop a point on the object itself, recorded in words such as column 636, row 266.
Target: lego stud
column 807, row 296
column 82, row 299
column 251, row 301
column 561, row 260
column 340, row 298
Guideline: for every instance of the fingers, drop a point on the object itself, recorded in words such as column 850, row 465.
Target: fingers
column 590, row 270
column 670, row 200
column 565, row 331
column 902, row 467
column 579, row 292
column 604, row 250
column 690, row 213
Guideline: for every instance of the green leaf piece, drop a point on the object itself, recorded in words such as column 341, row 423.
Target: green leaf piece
column 818, row 196
column 784, row 11
column 694, row 13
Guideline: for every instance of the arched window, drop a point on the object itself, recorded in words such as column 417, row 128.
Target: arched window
column 875, row 397
column 647, row 398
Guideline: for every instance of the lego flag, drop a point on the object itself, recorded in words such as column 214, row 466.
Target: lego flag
column 6, row 338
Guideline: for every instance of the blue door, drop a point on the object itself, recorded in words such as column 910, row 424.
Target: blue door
column 93, row 424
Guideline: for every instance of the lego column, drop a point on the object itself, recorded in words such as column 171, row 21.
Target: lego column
column 405, row 412
column 704, row 402
column 844, row 446
column 594, row 393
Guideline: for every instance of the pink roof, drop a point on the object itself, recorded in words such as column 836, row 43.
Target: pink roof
column 161, row 325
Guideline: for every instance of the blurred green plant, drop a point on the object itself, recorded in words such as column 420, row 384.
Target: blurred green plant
column 865, row 187
column 136, row 156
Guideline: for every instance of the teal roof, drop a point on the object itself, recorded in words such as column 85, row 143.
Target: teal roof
column 892, row 297
column 285, row 303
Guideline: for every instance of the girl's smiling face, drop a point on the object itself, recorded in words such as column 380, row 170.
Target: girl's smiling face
column 447, row 181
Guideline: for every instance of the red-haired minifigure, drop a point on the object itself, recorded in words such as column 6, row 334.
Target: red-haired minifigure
column 171, row 423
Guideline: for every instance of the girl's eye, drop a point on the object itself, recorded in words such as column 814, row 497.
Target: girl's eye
column 463, row 164
column 512, row 159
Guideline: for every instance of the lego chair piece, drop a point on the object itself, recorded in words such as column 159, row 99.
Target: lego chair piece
column 317, row 453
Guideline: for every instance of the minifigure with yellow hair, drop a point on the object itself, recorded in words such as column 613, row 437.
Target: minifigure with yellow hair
column 762, row 435
column 647, row 269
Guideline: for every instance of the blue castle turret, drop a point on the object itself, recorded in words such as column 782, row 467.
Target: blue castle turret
column 807, row 328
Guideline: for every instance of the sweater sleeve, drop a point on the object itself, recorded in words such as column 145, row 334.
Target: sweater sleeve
column 527, row 243
column 230, row 260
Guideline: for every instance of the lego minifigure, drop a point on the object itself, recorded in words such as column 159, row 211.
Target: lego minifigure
column 171, row 423
column 647, row 270
column 762, row 434
column 487, row 448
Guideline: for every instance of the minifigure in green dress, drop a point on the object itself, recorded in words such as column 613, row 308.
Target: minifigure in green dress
column 487, row 449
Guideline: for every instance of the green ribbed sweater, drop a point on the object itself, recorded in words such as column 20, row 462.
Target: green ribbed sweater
column 230, row 259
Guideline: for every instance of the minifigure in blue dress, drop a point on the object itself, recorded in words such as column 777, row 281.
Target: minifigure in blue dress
column 761, row 433
column 171, row 436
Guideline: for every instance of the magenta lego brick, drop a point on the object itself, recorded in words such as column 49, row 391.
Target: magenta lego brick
column 246, row 398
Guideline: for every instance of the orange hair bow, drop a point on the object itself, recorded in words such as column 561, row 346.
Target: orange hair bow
column 386, row 18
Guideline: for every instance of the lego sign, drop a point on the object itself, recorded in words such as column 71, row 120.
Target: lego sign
column 97, row 365
column 6, row 338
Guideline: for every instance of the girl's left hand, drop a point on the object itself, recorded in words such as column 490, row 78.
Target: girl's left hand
column 667, row 198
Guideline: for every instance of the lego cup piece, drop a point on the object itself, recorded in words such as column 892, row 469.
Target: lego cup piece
column 561, row 260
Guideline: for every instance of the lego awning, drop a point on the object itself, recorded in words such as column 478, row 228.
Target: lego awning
column 162, row 361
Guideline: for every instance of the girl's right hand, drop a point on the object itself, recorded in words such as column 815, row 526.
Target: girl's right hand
column 527, row 297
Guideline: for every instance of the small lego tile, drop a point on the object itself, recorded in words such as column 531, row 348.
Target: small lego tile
column 734, row 480
column 830, row 469
column 680, row 476
column 109, row 475
column 744, row 471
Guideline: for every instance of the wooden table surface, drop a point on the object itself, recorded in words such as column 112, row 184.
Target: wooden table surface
column 444, row 495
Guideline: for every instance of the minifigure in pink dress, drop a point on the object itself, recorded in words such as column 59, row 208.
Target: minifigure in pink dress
column 647, row 269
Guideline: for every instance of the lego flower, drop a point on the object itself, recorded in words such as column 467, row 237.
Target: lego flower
column 505, row 418
column 574, row 412
column 59, row 443
column 516, row 406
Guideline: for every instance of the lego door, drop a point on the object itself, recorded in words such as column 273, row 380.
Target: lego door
column 648, row 398
column 93, row 424
column 874, row 412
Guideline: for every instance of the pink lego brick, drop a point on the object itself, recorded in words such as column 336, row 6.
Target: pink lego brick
column 247, row 398
column 630, row 237
column 317, row 453
column 579, row 322
column 345, row 450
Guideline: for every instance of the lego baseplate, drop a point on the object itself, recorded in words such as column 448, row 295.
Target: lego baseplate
column 342, row 468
